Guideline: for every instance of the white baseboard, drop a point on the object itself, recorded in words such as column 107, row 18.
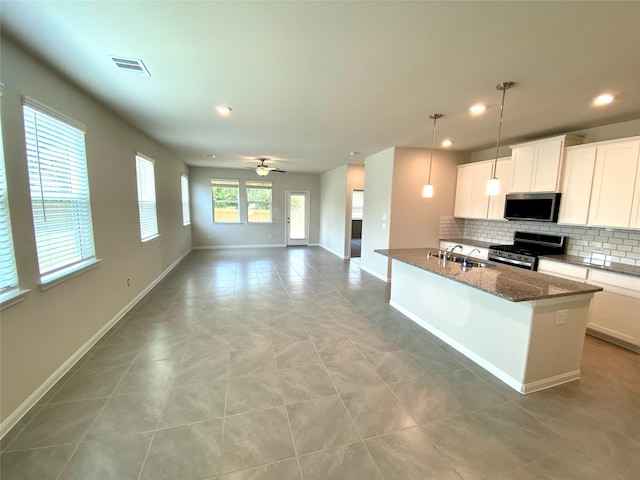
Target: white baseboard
column 375, row 274
column 41, row 391
column 221, row 247
column 340, row 255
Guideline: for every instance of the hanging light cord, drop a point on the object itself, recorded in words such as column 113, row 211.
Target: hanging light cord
column 504, row 87
column 435, row 117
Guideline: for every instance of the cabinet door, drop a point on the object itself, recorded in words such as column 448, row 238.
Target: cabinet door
column 464, row 184
column 479, row 198
column 504, row 171
column 613, row 184
column 579, row 165
column 546, row 165
column 612, row 314
column 523, row 158
column 635, row 207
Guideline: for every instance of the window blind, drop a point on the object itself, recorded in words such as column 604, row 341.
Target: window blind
column 186, row 212
column 8, row 274
column 146, row 198
column 60, row 201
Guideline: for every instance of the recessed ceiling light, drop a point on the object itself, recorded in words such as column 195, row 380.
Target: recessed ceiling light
column 604, row 99
column 477, row 109
column 209, row 156
column 223, row 109
column 446, row 143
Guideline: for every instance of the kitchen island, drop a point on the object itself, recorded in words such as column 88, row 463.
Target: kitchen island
column 524, row 327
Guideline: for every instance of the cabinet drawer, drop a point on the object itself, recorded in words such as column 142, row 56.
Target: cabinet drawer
column 562, row 269
column 622, row 284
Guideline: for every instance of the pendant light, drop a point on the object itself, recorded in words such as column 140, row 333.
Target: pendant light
column 493, row 184
column 427, row 190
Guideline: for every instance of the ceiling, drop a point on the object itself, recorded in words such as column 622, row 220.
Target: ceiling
column 310, row 82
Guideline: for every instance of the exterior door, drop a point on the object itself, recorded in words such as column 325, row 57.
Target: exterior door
column 297, row 218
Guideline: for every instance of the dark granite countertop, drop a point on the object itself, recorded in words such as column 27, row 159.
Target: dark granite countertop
column 511, row 283
column 597, row 262
column 468, row 241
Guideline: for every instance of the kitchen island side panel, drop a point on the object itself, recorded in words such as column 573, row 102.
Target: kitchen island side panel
column 519, row 342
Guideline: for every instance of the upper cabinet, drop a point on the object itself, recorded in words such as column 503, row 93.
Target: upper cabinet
column 537, row 165
column 471, row 199
column 579, row 164
column 615, row 196
column 504, row 171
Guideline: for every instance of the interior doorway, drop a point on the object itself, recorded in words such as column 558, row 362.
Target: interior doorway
column 357, row 206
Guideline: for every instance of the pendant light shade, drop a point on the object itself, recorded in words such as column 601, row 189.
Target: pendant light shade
column 493, row 184
column 427, row 190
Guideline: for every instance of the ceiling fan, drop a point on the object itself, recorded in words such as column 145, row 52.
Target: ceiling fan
column 263, row 170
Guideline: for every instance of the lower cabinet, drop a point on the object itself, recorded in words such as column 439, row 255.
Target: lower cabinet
column 614, row 311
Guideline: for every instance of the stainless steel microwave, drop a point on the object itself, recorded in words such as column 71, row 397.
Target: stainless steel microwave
column 539, row 207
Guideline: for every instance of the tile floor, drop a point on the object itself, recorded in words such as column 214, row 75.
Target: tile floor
column 289, row 364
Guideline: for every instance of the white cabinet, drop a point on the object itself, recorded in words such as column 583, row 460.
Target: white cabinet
column 466, row 249
column 471, row 199
column 564, row 270
column 504, row 172
column 614, row 311
column 537, row 165
column 579, row 165
column 614, row 182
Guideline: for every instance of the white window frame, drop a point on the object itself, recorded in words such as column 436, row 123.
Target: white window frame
column 147, row 204
column 59, row 185
column 228, row 183
column 259, row 185
column 184, row 194
column 10, row 291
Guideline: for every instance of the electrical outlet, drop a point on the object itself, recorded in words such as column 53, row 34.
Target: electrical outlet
column 270, row 236
column 561, row 317
column 128, row 282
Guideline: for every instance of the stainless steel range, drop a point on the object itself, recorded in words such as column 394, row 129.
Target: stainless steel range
column 526, row 249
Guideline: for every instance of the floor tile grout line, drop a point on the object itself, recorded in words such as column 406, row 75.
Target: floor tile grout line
column 353, row 423
column 286, row 410
column 160, row 416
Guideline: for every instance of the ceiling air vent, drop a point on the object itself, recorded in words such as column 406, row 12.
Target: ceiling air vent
column 131, row 65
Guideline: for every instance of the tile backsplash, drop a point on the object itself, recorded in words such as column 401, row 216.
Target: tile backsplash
column 614, row 245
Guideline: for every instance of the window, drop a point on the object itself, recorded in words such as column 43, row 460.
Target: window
column 146, row 198
column 357, row 205
column 8, row 273
column 225, row 200
column 258, row 201
column 59, row 185
column 186, row 212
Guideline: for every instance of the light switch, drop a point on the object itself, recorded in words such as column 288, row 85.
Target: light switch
column 384, row 225
column 384, row 217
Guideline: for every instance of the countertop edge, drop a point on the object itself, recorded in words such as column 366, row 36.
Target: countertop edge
column 631, row 271
column 387, row 253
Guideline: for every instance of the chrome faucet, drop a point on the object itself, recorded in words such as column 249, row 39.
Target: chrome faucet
column 454, row 247
column 464, row 262
column 447, row 253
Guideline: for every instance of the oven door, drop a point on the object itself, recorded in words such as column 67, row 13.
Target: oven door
column 511, row 262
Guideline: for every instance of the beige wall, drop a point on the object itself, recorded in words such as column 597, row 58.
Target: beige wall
column 415, row 221
column 378, row 175
column 590, row 135
column 333, row 216
column 335, row 219
column 44, row 331
column 245, row 234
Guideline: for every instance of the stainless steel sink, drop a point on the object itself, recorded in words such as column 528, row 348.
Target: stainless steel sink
column 469, row 263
